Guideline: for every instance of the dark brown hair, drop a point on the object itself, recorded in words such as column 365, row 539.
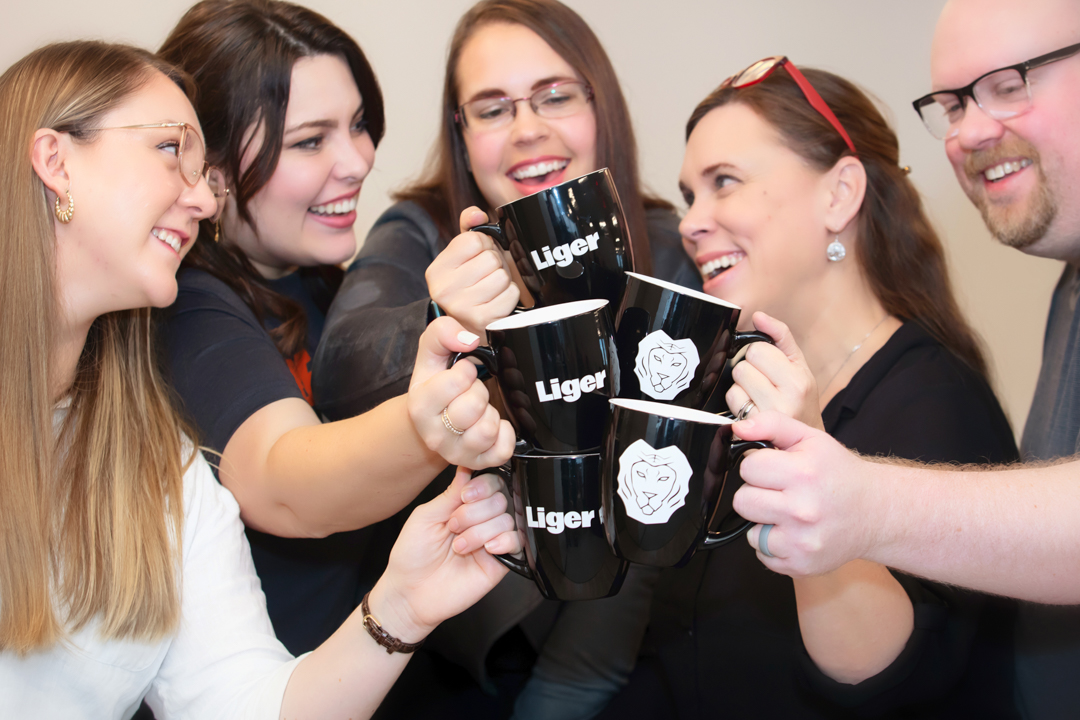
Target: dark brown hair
column 241, row 54
column 448, row 186
column 898, row 249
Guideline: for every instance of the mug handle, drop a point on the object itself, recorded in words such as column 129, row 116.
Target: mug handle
column 742, row 339
column 482, row 353
column 495, row 232
column 738, row 449
column 521, row 567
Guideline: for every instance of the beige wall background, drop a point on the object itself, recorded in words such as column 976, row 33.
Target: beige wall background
column 668, row 54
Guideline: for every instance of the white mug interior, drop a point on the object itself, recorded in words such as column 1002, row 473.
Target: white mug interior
column 672, row 411
column 547, row 314
column 683, row 290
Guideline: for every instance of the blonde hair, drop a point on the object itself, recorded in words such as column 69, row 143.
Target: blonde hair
column 91, row 509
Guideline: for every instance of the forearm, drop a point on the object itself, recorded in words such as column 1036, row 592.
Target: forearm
column 320, row 479
column 350, row 674
column 855, row 621
column 1009, row 532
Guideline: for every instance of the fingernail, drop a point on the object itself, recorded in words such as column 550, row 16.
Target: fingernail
column 469, row 494
column 467, row 337
column 460, row 544
column 488, row 547
column 453, row 525
column 747, row 423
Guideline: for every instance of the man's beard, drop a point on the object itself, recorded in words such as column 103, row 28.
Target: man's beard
column 1015, row 227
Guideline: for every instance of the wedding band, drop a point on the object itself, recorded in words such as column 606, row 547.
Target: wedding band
column 449, row 425
column 763, row 540
column 745, row 410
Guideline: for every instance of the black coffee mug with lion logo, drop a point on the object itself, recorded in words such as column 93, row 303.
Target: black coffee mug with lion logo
column 557, row 508
column 665, row 471
column 556, row 368
column 673, row 342
column 569, row 242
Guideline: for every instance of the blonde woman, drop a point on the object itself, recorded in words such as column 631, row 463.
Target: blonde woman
column 124, row 571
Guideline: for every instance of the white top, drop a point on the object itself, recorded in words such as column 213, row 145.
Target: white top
column 223, row 662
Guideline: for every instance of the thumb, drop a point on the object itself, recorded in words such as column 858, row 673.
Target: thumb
column 443, row 506
column 780, row 333
column 443, row 337
column 471, row 217
column 774, row 427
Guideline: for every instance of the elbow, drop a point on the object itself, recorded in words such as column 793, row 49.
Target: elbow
column 282, row 521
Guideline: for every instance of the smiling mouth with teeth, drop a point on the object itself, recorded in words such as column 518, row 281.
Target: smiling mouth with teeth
column 715, row 267
column 997, row 172
column 168, row 238
column 343, row 207
column 539, row 169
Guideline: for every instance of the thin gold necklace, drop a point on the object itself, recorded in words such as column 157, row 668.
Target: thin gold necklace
column 854, row 350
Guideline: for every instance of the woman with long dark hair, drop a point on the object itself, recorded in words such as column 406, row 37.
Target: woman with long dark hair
column 293, row 113
column 800, row 212
column 530, row 100
column 415, row 255
column 124, row 571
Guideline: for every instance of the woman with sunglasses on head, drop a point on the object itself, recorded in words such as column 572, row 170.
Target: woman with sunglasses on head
column 530, row 100
column 800, row 213
column 293, row 113
column 124, row 571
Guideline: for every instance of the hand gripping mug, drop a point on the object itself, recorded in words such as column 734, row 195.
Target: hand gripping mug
column 556, row 368
column 569, row 242
column 557, row 508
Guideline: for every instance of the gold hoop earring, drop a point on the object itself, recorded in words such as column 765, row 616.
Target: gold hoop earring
column 64, row 216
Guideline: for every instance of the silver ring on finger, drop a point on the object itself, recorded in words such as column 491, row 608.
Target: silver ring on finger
column 745, row 410
column 449, row 425
column 763, row 540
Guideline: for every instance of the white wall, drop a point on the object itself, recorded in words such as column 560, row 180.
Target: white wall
column 669, row 54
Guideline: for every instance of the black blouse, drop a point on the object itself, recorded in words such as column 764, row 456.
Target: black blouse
column 724, row 635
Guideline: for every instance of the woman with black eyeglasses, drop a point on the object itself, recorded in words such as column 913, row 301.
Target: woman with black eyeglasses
column 800, row 213
column 530, row 100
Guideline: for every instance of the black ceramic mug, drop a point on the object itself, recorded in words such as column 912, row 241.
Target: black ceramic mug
column 556, row 368
column 664, row 471
column 557, row 507
column 570, row 242
column 673, row 342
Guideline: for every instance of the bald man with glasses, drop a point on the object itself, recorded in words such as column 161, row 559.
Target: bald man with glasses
column 1006, row 104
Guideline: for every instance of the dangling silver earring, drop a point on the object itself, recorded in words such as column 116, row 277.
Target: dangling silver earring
column 836, row 250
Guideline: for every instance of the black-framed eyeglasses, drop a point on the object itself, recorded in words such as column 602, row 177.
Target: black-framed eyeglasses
column 559, row 99
column 191, row 161
column 764, row 68
column 1002, row 94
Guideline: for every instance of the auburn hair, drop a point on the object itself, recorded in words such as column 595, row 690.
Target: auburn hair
column 898, row 249
column 447, row 186
column 241, row 54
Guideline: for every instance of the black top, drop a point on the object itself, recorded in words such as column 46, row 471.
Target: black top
column 724, row 630
column 225, row 367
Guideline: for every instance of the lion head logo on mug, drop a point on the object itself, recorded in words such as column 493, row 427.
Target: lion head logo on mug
column 665, row 367
column 653, row 483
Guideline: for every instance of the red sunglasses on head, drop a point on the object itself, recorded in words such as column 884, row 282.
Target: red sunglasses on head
column 764, row 68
